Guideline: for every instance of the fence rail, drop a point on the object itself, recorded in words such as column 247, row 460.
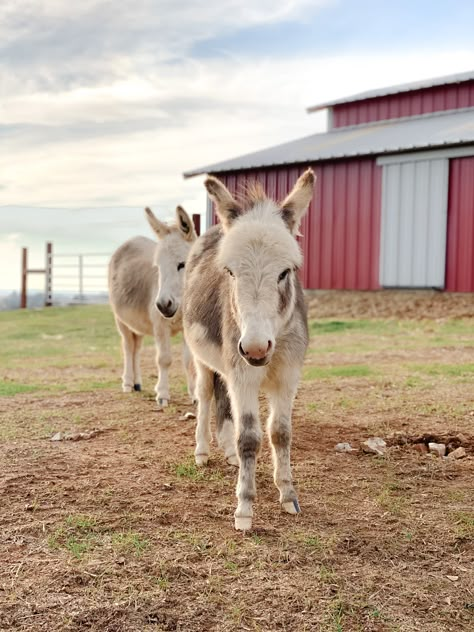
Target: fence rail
column 81, row 283
column 80, row 274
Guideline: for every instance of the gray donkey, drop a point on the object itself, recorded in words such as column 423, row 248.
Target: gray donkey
column 245, row 322
column 145, row 289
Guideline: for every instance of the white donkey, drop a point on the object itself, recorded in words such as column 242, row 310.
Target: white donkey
column 245, row 319
column 145, row 290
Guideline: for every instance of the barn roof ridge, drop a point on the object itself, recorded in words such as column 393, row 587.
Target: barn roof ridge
column 396, row 89
column 425, row 131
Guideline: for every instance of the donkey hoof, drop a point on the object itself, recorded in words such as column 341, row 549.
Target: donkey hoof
column 232, row 460
column 162, row 401
column 291, row 507
column 137, row 387
column 243, row 523
column 201, row 459
column 126, row 389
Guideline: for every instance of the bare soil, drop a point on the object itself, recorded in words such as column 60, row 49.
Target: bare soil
column 409, row 304
column 121, row 533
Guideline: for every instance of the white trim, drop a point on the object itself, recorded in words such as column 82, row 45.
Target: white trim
column 330, row 119
column 208, row 213
column 454, row 152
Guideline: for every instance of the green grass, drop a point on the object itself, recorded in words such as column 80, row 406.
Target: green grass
column 320, row 327
column 464, row 525
column 189, row 470
column 350, row 370
column 451, row 370
column 8, row 388
column 130, row 542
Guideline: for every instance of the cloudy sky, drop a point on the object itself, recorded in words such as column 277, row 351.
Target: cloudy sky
column 104, row 104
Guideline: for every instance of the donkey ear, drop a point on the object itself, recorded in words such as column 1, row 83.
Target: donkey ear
column 158, row 227
column 296, row 203
column 185, row 224
column 227, row 208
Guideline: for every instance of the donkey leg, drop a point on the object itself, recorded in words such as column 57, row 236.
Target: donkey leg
column 279, row 431
column 190, row 371
column 163, row 361
column 224, row 422
column 244, row 391
column 137, row 372
column 128, row 348
column 204, row 390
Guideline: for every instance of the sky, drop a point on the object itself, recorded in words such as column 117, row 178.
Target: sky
column 104, row 104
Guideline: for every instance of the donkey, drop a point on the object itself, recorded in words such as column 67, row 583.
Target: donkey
column 145, row 289
column 245, row 320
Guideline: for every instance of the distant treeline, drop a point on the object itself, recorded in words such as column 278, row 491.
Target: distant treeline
column 36, row 299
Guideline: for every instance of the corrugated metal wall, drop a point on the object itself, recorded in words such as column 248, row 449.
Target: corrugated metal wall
column 414, row 218
column 460, row 247
column 434, row 99
column 341, row 232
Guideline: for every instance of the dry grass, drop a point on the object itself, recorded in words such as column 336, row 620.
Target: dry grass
column 122, row 533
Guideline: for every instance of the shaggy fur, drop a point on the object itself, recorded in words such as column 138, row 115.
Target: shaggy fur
column 245, row 319
column 145, row 290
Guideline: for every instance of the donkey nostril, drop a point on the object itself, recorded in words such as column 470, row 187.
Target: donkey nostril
column 241, row 349
column 169, row 304
column 269, row 345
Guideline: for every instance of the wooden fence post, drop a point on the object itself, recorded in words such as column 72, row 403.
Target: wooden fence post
column 48, row 268
column 24, row 274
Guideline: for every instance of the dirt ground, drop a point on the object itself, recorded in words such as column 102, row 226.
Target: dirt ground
column 122, row 533
column 413, row 304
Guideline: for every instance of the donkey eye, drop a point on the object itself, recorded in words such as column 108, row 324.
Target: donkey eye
column 180, row 265
column 284, row 274
column 229, row 271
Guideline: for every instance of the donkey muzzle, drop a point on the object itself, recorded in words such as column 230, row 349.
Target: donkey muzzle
column 167, row 307
column 256, row 354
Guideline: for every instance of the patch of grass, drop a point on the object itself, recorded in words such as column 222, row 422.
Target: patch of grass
column 81, row 523
column 198, row 542
column 77, row 535
column 130, row 542
column 390, row 502
column 189, row 470
column 47, row 335
column 313, row 542
column 9, row 388
column 451, row 370
column 349, row 370
column 464, row 525
column 318, row 327
column 162, row 582
column 77, row 547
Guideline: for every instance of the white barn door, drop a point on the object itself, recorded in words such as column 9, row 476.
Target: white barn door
column 414, row 220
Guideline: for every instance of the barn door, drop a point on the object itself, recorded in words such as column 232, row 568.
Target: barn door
column 414, row 218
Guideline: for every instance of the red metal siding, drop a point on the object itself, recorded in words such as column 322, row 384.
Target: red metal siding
column 460, row 239
column 341, row 231
column 434, row 99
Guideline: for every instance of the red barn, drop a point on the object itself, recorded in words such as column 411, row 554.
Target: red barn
column 394, row 202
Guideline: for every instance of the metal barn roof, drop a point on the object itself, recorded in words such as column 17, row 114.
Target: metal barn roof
column 403, row 87
column 383, row 137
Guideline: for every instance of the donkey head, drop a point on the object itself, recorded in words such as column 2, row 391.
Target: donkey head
column 261, row 256
column 174, row 243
